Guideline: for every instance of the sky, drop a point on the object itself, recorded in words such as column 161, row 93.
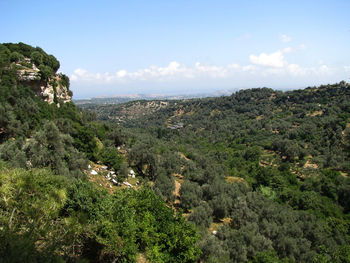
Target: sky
column 186, row 46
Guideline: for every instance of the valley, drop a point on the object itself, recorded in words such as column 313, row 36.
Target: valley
column 260, row 175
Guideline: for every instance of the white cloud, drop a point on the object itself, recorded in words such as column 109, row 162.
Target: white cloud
column 80, row 72
column 275, row 59
column 209, row 70
column 284, row 38
column 271, row 67
column 249, row 68
column 324, row 69
column 121, row 73
column 296, row 70
column 264, row 65
column 233, row 66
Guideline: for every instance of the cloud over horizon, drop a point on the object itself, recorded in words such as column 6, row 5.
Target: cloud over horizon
column 264, row 67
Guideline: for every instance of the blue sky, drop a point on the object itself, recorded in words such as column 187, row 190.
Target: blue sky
column 177, row 47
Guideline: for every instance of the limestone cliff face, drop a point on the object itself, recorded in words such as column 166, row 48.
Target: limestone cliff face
column 52, row 90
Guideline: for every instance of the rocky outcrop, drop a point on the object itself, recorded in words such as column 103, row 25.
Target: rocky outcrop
column 51, row 91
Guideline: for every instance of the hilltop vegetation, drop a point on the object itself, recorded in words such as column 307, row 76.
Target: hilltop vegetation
column 23, row 55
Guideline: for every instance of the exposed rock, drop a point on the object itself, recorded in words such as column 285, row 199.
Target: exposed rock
column 28, row 75
column 47, row 90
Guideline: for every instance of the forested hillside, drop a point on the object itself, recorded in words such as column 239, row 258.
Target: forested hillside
column 51, row 209
column 263, row 174
column 258, row 176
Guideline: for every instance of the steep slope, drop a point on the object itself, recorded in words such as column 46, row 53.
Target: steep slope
column 49, row 209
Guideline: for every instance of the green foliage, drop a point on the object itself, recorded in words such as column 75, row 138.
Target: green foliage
column 268, row 167
column 191, row 194
column 47, row 148
column 164, row 237
column 64, row 80
column 21, row 111
column 4, row 58
column 50, row 148
column 45, row 72
column 202, row 215
column 16, row 57
column 84, row 140
column 268, row 256
column 213, row 250
column 47, row 64
column 31, row 229
column 143, row 155
column 36, row 57
column 110, row 157
column 280, row 210
column 54, row 219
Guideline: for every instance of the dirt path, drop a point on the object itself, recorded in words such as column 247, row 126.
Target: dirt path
column 141, row 258
column 178, row 181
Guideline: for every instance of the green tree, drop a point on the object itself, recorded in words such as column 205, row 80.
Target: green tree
column 16, row 57
column 111, row 158
column 36, row 57
column 50, row 148
column 191, row 194
column 202, row 215
column 45, row 72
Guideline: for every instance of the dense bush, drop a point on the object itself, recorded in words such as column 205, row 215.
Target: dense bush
column 53, row 219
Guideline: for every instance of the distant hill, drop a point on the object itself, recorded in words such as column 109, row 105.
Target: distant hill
column 118, row 99
column 317, row 118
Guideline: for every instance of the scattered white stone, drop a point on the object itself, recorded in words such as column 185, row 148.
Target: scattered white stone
column 132, row 173
column 29, row 164
column 89, row 166
column 214, row 232
column 115, row 182
column 127, row 184
column 93, row 172
column 104, row 167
